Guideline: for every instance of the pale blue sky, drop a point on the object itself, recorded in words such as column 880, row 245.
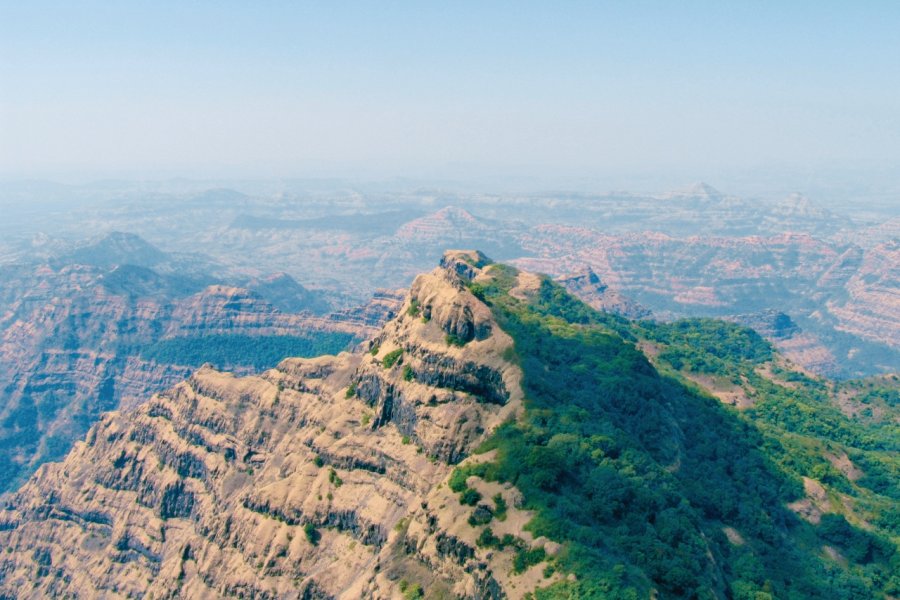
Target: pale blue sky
column 393, row 88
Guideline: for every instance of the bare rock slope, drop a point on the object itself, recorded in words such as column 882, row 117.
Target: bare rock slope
column 322, row 478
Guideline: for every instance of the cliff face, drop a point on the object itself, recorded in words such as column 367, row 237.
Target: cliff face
column 317, row 479
column 589, row 288
column 72, row 340
column 870, row 303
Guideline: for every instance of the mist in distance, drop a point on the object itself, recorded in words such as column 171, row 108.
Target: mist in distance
column 757, row 99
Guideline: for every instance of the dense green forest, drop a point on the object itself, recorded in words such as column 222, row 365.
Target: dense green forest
column 652, row 484
column 257, row 352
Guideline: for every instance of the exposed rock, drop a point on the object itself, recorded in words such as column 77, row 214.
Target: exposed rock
column 770, row 324
column 72, row 338
column 318, row 479
column 590, row 289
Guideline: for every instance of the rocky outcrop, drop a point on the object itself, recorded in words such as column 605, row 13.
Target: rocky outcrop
column 317, row 479
column 383, row 307
column 72, row 338
column 590, row 289
column 770, row 324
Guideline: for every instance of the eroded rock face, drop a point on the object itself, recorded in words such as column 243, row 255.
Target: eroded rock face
column 441, row 296
column 588, row 286
column 318, row 479
column 71, row 341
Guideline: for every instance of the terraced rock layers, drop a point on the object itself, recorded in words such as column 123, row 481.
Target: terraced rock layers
column 321, row 478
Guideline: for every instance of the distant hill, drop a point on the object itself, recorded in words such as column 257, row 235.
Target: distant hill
column 117, row 248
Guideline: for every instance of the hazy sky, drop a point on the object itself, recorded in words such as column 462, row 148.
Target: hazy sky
column 289, row 88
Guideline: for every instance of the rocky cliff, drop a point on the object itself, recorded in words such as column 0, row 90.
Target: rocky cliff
column 74, row 341
column 320, row 478
column 589, row 288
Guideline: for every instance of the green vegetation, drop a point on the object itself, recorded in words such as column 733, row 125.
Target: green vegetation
column 487, row 539
column 334, row 479
column 526, row 557
column 458, row 478
column 414, row 310
column 469, row 496
column 891, row 397
column 391, row 358
column 708, row 345
column 499, row 507
column 351, row 390
column 411, row 591
column 636, row 473
column 482, row 515
column 454, row 340
column 408, row 373
column 257, row 352
column 312, row 534
column 857, row 545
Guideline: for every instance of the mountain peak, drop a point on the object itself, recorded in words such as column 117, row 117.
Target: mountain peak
column 448, row 223
column 584, row 275
column 799, row 206
column 704, row 190
column 465, row 263
column 593, row 291
column 325, row 465
column 697, row 191
column 117, row 248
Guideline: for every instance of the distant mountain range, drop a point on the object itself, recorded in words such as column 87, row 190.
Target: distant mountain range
column 696, row 251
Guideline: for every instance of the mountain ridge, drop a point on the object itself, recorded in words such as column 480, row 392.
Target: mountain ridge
column 498, row 438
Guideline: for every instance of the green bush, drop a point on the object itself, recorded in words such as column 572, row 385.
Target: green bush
column 469, row 497
column 499, row 507
column 457, row 481
column 527, row 557
column 334, row 479
column 391, row 358
column 312, row 534
column 487, row 539
column 454, row 340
